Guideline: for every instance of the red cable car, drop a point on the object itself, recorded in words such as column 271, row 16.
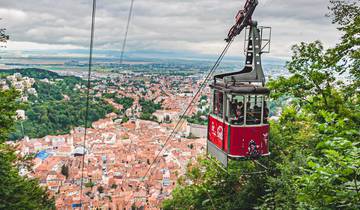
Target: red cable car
column 238, row 121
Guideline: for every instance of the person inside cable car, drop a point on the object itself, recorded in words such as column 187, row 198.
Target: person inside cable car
column 221, row 104
column 239, row 110
column 218, row 104
column 250, row 115
column 257, row 114
column 254, row 109
column 239, row 113
column 236, row 111
column 253, row 152
column 233, row 107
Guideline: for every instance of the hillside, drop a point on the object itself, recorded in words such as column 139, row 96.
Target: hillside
column 58, row 105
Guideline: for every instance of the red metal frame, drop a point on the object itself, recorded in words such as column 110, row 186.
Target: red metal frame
column 243, row 19
column 247, row 141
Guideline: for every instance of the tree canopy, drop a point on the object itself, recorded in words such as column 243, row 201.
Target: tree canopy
column 16, row 192
column 8, row 108
column 58, row 107
column 3, row 36
column 148, row 107
column 315, row 143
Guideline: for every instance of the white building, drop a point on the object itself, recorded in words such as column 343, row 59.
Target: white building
column 55, row 140
column 109, row 138
column 32, row 91
column 198, row 131
column 2, row 82
column 166, row 115
column 20, row 115
column 18, row 86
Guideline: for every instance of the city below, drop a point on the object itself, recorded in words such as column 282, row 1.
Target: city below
column 120, row 166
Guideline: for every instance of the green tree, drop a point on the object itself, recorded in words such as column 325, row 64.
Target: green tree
column 315, row 143
column 50, row 113
column 320, row 167
column 16, row 192
column 90, row 184
column 65, row 171
column 127, row 102
column 3, row 36
column 148, row 106
column 346, row 13
column 199, row 118
column 207, row 186
column 125, row 119
column 100, row 189
column 8, row 107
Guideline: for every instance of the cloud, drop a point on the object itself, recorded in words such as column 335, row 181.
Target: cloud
column 180, row 25
column 27, row 46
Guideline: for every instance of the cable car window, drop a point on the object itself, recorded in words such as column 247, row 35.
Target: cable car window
column 211, row 110
column 266, row 111
column 236, row 110
column 254, row 110
column 218, row 103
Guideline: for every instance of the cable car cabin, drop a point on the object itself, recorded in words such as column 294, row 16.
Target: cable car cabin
column 238, row 124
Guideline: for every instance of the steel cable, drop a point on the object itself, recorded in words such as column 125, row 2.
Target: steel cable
column 199, row 91
column 92, row 33
column 126, row 32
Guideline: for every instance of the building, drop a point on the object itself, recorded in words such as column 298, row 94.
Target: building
column 20, row 115
column 166, row 116
column 197, row 131
column 79, row 151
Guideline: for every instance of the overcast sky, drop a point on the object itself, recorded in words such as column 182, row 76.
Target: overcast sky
column 198, row 26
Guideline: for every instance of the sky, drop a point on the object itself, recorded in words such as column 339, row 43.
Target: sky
column 194, row 27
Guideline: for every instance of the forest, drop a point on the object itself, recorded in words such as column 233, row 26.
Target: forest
column 59, row 106
column 315, row 143
column 34, row 73
column 127, row 102
column 16, row 192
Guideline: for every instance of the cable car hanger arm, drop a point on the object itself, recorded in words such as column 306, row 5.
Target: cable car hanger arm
column 243, row 19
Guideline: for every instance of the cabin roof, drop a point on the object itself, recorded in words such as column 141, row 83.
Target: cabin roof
column 241, row 88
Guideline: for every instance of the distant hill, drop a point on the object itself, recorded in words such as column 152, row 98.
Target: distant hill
column 58, row 107
column 33, row 73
